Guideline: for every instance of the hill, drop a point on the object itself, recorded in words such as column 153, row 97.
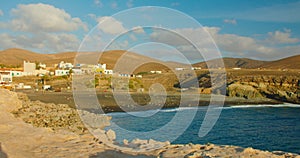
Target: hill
column 235, row 62
column 16, row 57
column 292, row 62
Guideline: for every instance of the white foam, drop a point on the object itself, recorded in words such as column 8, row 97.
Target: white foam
column 264, row 105
column 141, row 113
column 179, row 109
column 134, row 113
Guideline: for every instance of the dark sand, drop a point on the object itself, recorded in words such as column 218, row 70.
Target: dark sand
column 108, row 103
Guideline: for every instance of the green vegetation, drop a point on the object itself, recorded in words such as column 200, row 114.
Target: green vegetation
column 142, row 73
column 10, row 66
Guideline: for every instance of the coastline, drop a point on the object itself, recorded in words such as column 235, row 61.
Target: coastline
column 172, row 101
column 20, row 139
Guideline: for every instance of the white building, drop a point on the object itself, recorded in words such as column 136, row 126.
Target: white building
column 179, row 69
column 77, row 71
column 124, row 75
column 42, row 72
column 63, row 65
column 29, row 68
column 156, row 72
column 43, row 66
column 108, row 72
column 15, row 73
column 139, row 76
column 5, row 77
column 102, row 66
column 62, row 72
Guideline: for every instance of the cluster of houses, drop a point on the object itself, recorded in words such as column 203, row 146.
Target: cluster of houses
column 61, row 69
column 79, row 69
column 65, row 69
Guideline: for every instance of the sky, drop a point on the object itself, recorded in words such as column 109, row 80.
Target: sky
column 257, row 29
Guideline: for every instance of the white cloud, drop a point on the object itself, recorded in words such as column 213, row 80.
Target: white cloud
column 231, row 44
column 48, row 43
column 279, row 37
column 98, row 3
column 92, row 16
column 240, row 45
column 114, row 5
column 110, row 25
column 230, row 21
column 41, row 27
column 132, row 37
column 129, row 3
column 43, row 18
column 1, row 13
column 138, row 29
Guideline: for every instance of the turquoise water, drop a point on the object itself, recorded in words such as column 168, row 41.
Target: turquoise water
column 263, row 127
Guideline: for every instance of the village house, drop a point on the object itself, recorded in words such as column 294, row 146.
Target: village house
column 5, row 77
column 63, row 65
column 62, row 72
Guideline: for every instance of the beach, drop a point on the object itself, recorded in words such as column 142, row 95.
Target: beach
column 108, row 103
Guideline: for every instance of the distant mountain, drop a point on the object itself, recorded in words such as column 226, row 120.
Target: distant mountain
column 286, row 63
column 123, row 58
column 16, row 57
column 234, row 62
column 292, row 62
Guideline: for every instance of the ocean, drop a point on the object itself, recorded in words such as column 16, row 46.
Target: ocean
column 264, row 127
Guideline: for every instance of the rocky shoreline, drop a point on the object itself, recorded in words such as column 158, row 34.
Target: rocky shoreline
column 36, row 129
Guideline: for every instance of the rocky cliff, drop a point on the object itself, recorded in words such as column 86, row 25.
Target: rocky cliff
column 279, row 87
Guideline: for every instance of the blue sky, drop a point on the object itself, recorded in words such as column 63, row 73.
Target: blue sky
column 258, row 29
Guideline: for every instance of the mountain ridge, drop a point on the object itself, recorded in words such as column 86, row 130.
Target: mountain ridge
column 16, row 56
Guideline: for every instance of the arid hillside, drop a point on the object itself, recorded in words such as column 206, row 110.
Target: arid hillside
column 292, row 62
column 15, row 57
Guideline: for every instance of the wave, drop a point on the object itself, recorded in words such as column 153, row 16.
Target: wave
column 180, row 109
column 137, row 113
column 289, row 105
column 151, row 112
column 134, row 112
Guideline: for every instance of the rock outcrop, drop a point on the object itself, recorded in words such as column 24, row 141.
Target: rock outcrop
column 20, row 139
column 285, row 89
column 241, row 90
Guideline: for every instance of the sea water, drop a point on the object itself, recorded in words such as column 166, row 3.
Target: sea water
column 265, row 127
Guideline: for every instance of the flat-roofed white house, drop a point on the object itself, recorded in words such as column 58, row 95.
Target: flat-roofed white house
column 63, row 65
column 108, row 72
column 179, row 69
column 5, row 77
column 62, row 72
column 77, row 71
column 156, row 72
